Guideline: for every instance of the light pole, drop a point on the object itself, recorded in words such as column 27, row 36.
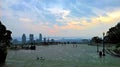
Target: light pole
column 103, row 44
column 97, row 48
column 97, row 44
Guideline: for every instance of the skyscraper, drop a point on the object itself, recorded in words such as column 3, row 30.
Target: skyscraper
column 40, row 37
column 31, row 38
column 44, row 39
column 23, row 39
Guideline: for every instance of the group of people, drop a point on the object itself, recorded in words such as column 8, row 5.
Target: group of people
column 41, row 58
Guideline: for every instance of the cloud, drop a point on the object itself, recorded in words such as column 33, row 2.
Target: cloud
column 83, row 23
column 59, row 12
column 59, row 18
column 25, row 20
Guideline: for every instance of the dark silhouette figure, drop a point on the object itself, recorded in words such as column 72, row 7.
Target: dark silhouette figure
column 100, row 54
column 37, row 58
column 5, row 37
column 32, row 47
column 41, row 58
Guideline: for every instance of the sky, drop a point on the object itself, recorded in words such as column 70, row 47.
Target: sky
column 59, row 18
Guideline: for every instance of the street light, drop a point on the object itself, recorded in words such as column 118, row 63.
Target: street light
column 103, row 44
column 97, row 44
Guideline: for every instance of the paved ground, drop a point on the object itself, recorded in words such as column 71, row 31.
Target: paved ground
column 80, row 55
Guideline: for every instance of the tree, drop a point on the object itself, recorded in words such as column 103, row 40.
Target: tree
column 5, row 38
column 113, row 35
column 96, row 40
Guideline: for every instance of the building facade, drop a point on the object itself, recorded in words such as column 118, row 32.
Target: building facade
column 31, row 38
column 23, row 39
column 40, row 37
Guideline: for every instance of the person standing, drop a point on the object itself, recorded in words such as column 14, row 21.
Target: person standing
column 100, row 54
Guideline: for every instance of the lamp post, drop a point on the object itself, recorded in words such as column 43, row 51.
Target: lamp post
column 97, row 48
column 97, row 44
column 103, row 44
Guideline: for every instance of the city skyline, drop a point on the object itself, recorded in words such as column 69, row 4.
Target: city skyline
column 27, row 37
column 31, row 39
column 59, row 18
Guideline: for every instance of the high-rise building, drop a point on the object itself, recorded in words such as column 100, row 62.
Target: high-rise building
column 31, row 38
column 44, row 39
column 23, row 39
column 40, row 37
column 52, row 40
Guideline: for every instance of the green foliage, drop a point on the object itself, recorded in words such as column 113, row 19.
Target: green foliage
column 96, row 39
column 5, row 35
column 113, row 35
column 118, row 45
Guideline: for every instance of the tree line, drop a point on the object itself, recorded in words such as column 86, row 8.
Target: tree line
column 112, row 36
column 5, row 39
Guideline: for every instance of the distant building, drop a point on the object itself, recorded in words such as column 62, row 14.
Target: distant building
column 31, row 38
column 48, row 40
column 40, row 37
column 15, row 41
column 85, row 41
column 23, row 39
column 52, row 40
column 45, row 40
column 37, row 41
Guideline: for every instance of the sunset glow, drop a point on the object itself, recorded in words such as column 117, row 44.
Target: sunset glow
column 64, row 18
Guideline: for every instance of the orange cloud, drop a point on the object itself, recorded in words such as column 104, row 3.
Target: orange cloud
column 72, row 23
column 82, row 23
